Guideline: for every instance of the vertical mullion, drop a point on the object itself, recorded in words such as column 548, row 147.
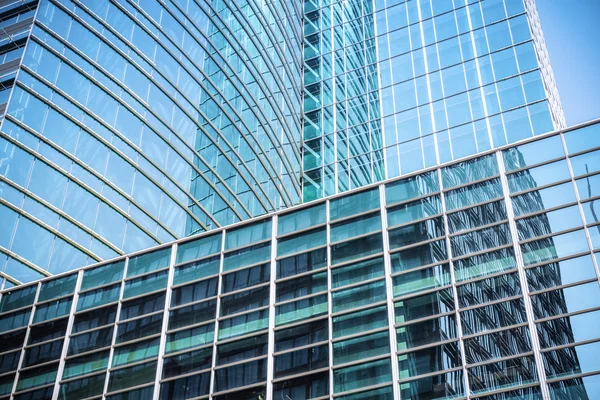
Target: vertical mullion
column 329, row 297
column 272, row 296
column 217, row 311
column 389, row 293
column 459, row 331
column 165, row 322
column 37, row 294
column 539, row 362
column 116, row 326
column 63, row 355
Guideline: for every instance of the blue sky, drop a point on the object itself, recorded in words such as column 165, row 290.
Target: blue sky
column 572, row 32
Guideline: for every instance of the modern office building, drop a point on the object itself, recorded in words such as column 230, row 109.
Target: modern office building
column 391, row 87
column 477, row 279
column 451, row 250
column 128, row 124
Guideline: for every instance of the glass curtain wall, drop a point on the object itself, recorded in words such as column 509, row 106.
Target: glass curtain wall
column 135, row 123
column 394, row 86
column 477, row 278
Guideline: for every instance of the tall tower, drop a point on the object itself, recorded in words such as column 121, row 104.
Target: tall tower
column 391, row 87
column 127, row 124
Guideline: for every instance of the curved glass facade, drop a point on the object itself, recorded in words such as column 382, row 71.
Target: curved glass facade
column 476, row 279
column 134, row 123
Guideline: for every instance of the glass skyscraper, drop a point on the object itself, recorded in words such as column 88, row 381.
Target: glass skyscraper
column 449, row 247
column 391, row 87
column 477, row 279
column 132, row 123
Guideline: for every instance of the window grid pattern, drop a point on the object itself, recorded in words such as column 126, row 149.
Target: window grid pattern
column 469, row 280
column 412, row 84
column 131, row 126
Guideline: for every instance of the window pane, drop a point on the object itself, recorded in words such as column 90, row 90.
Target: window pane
column 86, row 364
column 423, row 279
column 17, row 298
column 135, row 352
column 186, row 387
column 484, row 264
column 497, row 345
column 424, row 306
column 145, row 284
column 430, row 359
column 354, row 204
column 418, row 256
column 244, row 324
column 355, row 273
column 248, row 234
column 576, row 328
column 52, row 309
column 355, row 227
column 57, row 287
column 357, row 248
column 477, row 216
column 473, row 194
column 572, row 299
column 409, row 188
column 303, row 360
column 549, row 222
column 488, row 290
column 242, row 349
column 245, row 301
column 561, row 273
column 306, row 387
column 301, row 219
column 538, row 176
column 426, row 332
column 542, row 199
column 469, row 171
column 187, row 362
column 94, row 319
column 586, row 387
column 196, row 270
column 50, row 330
column 301, row 241
column 572, row 360
column 301, row 263
column 415, row 210
column 360, row 348
column 554, row 247
column 245, row 278
column 301, row 309
column 37, row 376
column 198, row 248
column 82, row 388
column 301, row 335
column 360, row 321
column 186, row 339
column 359, row 376
column 240, row 375
column 132, row 376
column 533, row 153
column 248, row 256
column 303, row 286
column 98, row 297
column 493, row 316
column 90, row 341
column 194, row 292
column 358, row 296
column 149, row 262
column 102, row 275
column 503, row 374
